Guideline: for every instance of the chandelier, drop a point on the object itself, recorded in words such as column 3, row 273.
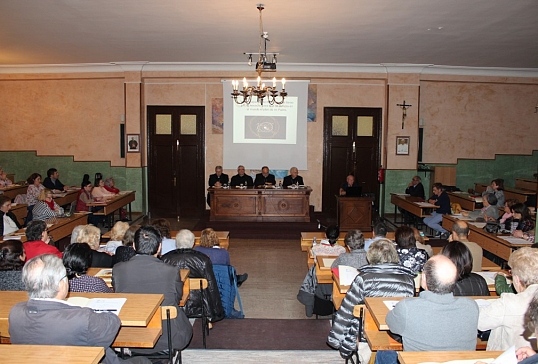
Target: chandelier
column 260, row 91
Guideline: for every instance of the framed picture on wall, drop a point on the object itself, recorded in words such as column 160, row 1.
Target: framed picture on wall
column 133, row 143
column 402, row 145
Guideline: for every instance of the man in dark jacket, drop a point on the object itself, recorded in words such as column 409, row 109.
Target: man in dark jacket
column 200, row 266
column 145, row 273
column 441, row 199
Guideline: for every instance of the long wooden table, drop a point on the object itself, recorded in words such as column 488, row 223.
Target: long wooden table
column 490, row 242
column 13, row 190
column 414, row 205
column 114, row 204
column 20, row 210
column 31, row 354
column 224, row 237
column 417, row 357
column 62, row 228
column 66, row 198
column 260, row 204
column 141, row 322
column 466, row 200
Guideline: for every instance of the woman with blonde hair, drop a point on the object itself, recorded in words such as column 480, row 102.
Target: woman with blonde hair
column 209, row 245
column 91, row 235
column 46, row 207
column 116, row 236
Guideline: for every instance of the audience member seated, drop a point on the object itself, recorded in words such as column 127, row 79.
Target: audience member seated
column 52, row 182
column 38, row 239
column 46, row 207
column 439, row 198
column 91, row 235
column 12, row 259
column 265, row 178
column 329, row 246
column 126, row 251
column 116, row 236
column 9, row 223
column 380, row 232
column 75, row 232
column 4, row 181
column 504, row 316
column 99, row 192
column 47, row 319
column 525, row 354
column 415, row 189
column 356, row 257
column 83, row 199
column 350, row 182
column 145, row 273
column 163, row 225
column 199, row 264
column 522, row 217
column 293, row 178
column 241, row 179
column 410, row 256
column 436, row 320
column 77, row 259
column 32, row 193
column 383, row 277
column 490, row 211
column 210, row 246
column 505, row 221
column 496, row 188
column 460, row 232
column 421, row 243
column 110, row 186
column 468, row 284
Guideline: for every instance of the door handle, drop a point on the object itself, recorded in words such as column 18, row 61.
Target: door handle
column 174, row 181
column 177, row 145
column 353, row 147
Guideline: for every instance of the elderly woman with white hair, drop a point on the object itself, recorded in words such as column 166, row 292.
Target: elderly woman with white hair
column 91, row 235
column 200, row 266
column 293, row 178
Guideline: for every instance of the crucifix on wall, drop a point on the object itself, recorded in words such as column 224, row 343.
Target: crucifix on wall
column 404, row 107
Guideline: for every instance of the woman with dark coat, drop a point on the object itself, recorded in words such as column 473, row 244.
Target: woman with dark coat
column 383, row 277
column 12, row 259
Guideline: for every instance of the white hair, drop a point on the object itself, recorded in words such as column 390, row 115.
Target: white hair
column 185, row 239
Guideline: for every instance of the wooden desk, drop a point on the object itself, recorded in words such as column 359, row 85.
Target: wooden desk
column 30, row 354
column 20, row 210
column 487, row 265
column 527, row 184
column 466, row 201
column 141, row 322
column 414, row 205
column 66, row 198
column 509, row 192
column 114, row 204
column 308, row 237
column 14, row 190
column 63, row 227
column 354, row 213
column 490, row 242
column 416, row 357
column 252, row 204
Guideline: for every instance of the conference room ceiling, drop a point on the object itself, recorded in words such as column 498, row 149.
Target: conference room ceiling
column 473, row 33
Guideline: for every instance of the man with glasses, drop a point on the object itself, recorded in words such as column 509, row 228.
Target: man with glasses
column 241, row 179
column 47, row 319
column 38, row 239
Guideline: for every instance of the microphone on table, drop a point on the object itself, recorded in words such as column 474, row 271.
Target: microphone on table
column 320, row 225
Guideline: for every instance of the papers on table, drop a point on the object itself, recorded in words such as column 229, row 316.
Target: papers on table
column 482, row 302
column 514, row 240
column 488, row 276
column 479, row 225
column 425, row 204
column 113, row 305
column 346, row 274
column 508, row 357
column 390, row 304
column 402, row 194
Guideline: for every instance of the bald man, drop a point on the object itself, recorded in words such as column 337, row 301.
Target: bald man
column 460, row 232
column 436, row 320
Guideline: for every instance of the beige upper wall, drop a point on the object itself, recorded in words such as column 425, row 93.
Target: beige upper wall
column 464, row 116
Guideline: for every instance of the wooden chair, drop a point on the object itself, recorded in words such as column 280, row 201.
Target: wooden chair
column 201, row 284
column 4, row 332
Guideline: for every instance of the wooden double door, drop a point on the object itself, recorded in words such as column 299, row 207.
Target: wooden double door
column 351, row 144
column 176, row 163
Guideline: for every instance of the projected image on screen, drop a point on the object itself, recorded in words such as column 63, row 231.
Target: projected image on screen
column 265, row 127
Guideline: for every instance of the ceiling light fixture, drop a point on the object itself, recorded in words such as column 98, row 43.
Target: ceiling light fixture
column 260, row 91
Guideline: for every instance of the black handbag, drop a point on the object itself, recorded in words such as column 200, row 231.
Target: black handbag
column 492, row 227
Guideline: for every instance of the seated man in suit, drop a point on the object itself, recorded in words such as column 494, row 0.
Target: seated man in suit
column 293, row 178
column 47, row 319
column 265, row 178
column 145, row 273
column 217, row 179
column 52, row 182
column 350, row 182
column 200, row 266
column 241, row 178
